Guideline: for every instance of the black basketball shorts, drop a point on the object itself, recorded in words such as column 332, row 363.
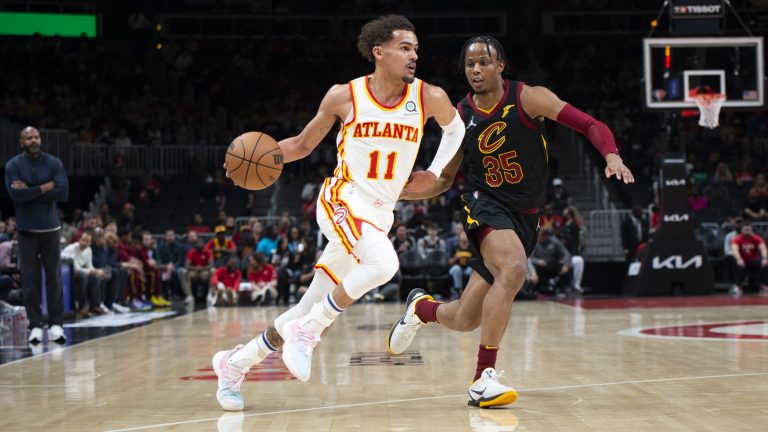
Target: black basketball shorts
column 482, row 210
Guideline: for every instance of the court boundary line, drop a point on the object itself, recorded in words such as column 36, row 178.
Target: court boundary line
column 332, row 407
column 69, row 347
column 638, row 332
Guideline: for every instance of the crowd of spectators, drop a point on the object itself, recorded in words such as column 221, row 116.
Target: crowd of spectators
column 118, row 268
column 423, row 235
column 194, row 93
column 200, row 92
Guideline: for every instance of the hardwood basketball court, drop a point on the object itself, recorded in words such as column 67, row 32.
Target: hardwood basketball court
column 665, row 364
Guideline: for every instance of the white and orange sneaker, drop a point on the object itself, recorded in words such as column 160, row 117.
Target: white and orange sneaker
column 230, row 379
column 487, row 391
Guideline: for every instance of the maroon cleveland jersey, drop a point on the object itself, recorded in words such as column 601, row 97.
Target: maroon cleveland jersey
column 505, row 151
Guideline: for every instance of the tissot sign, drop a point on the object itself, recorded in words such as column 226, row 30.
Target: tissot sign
column 674, row 261
column 696, row 9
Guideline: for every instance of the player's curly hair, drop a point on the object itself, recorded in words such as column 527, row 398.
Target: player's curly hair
column 489, row 42
column 379, row 31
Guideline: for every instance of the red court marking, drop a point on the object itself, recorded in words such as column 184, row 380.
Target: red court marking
column 271, row 369
column 705, row 331
column 666, row 302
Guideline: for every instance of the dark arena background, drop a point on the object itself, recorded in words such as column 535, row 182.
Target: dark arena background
column 657, row 321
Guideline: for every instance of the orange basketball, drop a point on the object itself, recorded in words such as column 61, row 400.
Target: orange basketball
column 254, row 160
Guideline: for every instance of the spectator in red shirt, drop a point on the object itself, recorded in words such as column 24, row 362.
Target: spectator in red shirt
column 225, row 283
column 198, row 263
column 549, row 219
column 751, row 259
column 130, row 260
column 263, row 279
column 148, row 255
column 761, row 186
column 150, row 191
column 244, row 244
column 223, row 247
column 197, row 224
column 655, row 219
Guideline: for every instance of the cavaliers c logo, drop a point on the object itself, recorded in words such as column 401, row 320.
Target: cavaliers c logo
column 339, row 215
column 494, row 129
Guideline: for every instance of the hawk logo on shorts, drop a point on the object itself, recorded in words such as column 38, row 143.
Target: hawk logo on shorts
column 340, row 215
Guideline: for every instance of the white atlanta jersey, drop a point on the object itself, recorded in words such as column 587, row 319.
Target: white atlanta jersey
column 377, row 147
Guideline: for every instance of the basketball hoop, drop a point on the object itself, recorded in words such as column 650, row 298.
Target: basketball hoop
column 709, row 108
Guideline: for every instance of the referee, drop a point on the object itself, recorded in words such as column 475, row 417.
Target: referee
column 36, row 181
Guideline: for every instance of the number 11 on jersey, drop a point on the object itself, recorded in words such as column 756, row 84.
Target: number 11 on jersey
column 373, row 171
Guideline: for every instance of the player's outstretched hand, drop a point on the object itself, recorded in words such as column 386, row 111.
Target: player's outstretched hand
column 617, row 168
column 420, row 181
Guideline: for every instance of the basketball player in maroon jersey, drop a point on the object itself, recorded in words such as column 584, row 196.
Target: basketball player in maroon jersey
column 505, row 151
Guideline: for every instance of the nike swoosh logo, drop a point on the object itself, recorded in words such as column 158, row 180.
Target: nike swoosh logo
column 479, row 393
column 402, row 321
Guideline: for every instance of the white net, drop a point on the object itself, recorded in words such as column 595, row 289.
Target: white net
column 709, row 109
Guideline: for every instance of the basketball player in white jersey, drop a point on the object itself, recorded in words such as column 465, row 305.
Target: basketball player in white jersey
column 381, row 120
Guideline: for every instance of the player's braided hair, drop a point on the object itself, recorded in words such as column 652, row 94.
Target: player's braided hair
column 379, row 31
column 489, row 42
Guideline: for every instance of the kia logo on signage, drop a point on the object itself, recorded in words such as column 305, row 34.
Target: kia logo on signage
column 675, row 182
column 676, row 218
column 675, row 262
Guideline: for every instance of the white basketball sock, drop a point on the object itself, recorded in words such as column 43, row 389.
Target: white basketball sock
column 252, row 353
column 321, row 285
column 334, row 265
column 323, row 314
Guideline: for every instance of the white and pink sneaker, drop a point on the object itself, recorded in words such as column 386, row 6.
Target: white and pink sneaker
column 300, row 341
column 230, row 379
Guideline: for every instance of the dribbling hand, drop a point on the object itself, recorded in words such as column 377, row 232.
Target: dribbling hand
column 419, row 181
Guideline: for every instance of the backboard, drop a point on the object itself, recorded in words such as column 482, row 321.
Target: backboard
column 730, row 65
